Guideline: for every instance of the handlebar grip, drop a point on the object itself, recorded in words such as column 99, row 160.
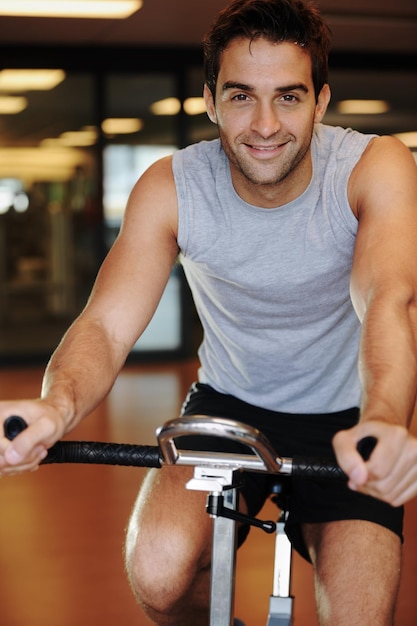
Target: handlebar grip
column 319, row 469
column 90, row 452
column 13, row 426
column 366, row 446
column 323, row 469
column 93, row 452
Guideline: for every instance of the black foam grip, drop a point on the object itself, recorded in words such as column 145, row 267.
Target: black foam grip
column 319, row 469
column 104, row 454
column 13, row 426
column 91, row 451
column 366, row 446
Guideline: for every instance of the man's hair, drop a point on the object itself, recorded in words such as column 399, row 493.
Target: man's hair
column 275, row 20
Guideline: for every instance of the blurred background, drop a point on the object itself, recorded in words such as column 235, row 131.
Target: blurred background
column 86, row 104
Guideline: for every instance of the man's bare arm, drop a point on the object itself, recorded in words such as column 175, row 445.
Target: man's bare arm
column 383, row 194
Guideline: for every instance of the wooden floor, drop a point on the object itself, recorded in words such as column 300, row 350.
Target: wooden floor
column 62, row 528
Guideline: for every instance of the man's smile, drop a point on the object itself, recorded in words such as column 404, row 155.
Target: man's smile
column 260, row 150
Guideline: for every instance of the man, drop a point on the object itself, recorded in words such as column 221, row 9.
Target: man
column 298, row 241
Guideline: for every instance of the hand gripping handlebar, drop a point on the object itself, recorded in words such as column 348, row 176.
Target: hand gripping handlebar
column 91, row 452
column 261, row 456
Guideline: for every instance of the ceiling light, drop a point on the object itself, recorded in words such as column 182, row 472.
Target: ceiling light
column 115, row 9
column 172, row 106
column 78, row 138
column 10, row 105
column 86, row 136
column 168, row 106
column 195, row 106
column 409, row 139
column 26, row 80
column 121, row 125
column 34, row 164
column 362, row 107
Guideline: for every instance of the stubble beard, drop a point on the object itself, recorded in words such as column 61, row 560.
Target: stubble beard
column 256, row 173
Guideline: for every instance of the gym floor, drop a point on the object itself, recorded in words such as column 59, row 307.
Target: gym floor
column 62, row 527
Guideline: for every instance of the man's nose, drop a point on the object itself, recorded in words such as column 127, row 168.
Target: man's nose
column 266, row 121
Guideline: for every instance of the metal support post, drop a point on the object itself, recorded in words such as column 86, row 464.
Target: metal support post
column 280, row 602
column 222, row 484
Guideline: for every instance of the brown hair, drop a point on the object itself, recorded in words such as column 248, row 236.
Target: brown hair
column 275, row 20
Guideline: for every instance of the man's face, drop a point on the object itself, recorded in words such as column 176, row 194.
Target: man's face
column 265, row 110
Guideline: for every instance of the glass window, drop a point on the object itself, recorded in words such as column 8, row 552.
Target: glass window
column 140, row 127
column 123, row 165
column 49, row 208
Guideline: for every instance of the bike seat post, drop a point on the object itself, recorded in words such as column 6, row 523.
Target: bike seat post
column 223, row 482
column 280, row 602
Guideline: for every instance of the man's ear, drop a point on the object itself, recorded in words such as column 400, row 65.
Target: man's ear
column 322, row 103
column 209, row 100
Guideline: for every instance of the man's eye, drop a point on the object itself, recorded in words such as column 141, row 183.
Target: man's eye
column 240, row 96
column 288, row 97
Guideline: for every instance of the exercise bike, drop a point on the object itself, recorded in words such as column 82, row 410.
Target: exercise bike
column 220, row 475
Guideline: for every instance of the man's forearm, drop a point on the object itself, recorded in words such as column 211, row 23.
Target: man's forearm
column 81, row 371
column 388, row 362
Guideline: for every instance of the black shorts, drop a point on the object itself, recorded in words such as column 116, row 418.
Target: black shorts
column 292, row 434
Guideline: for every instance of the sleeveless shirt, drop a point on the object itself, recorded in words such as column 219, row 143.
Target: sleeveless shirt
column 271, row 286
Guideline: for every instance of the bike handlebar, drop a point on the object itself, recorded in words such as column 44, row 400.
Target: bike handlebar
column 95, row 452
column 261, row 458
column 265, row 458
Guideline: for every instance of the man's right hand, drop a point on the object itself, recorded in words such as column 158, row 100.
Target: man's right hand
column 30, row 447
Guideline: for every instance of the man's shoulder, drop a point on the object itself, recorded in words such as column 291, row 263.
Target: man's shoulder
column 339, row 142
column 203, row 150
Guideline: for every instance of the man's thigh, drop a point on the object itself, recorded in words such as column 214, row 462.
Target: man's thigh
column 357, row 571
column 167, row 513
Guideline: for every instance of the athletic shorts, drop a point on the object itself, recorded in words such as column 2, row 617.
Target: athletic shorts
column 291, row 434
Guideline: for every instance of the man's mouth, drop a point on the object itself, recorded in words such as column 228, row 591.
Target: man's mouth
column 265, row 150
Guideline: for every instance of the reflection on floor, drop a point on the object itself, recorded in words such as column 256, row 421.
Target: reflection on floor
column 61, row 528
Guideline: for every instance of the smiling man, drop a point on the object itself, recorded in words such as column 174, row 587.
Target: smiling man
column 298, row 241
column 266, row 126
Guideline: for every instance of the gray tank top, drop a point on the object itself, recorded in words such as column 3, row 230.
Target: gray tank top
column 271, row 286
